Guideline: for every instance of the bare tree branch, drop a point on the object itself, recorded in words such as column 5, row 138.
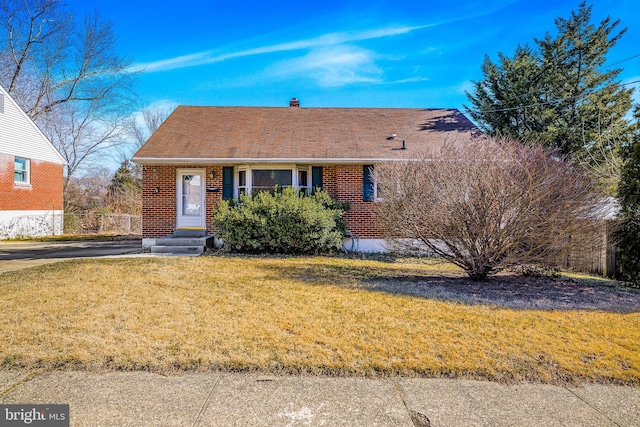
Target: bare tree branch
column 67, row 76
column 485, row 204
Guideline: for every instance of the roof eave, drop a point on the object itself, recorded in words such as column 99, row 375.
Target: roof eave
column 208, row 161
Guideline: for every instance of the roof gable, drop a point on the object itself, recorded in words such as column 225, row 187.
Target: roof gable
column 19, row 135
column 253, row 134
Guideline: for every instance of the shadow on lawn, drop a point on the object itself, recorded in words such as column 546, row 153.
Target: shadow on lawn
column 506, row 290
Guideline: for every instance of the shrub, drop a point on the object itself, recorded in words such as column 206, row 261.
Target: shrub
column 485, row 205
column 281, row 222
column 628, row 243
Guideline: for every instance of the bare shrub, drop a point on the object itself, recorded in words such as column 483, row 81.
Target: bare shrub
column 485, row 204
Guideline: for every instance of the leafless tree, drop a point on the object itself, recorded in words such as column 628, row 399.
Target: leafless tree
column 83, row 132
column 147, row 122
column 102, row 191
column 128, row 202
column 87, row 193
column 485, row 204
column 139, row 126
column 66, row 75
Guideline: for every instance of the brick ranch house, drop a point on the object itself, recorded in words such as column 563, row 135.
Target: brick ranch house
column 31, row 176
column 200, row 155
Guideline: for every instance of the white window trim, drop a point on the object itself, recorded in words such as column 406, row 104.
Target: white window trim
column 27, row 170
column 268, row 166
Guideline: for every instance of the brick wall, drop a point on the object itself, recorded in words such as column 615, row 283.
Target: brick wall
column 43, row 193
column 159, row 206
column 342, row 182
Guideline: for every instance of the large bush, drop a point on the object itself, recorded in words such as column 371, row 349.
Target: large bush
column 281, row 222
column 486, row 204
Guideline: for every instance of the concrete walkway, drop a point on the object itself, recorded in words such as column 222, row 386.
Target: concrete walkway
column 227, row 399
column 20, row 255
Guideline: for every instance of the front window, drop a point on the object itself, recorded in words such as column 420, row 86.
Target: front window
column 253, row 179
column 268, row 179
column 21, row 170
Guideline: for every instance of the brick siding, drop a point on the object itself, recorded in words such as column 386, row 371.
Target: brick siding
column 44, row 191
column 342, row 182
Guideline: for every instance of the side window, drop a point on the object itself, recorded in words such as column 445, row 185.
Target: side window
column 242, row 182
column 21, row 170
column 368, row 185
column 303, row 181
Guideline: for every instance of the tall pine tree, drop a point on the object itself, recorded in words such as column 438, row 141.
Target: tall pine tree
column 124, row 194
column 559, row 94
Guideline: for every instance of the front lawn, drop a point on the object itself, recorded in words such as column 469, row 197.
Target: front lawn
column 320, row 315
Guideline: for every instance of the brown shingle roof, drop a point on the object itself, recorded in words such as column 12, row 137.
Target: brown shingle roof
column 323, row 135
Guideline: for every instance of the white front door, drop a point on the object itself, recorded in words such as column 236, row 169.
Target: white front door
column 190, row 199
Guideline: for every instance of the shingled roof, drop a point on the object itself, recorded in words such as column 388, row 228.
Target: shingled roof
column 310, row 135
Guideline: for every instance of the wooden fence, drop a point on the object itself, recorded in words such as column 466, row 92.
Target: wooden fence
column 594, row 251
column 96, row 223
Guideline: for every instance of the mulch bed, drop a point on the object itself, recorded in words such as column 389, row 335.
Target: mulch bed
column 520, row 292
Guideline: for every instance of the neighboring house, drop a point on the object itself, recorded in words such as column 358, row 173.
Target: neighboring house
column 203, row 154
column 31, row 176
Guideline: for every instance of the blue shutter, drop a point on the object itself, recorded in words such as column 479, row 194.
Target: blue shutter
column 316, row 177
column 367, row 183
column 227, row 182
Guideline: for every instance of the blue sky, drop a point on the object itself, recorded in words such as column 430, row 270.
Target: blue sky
column 372, row 53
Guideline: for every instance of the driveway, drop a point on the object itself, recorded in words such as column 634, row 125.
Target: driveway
column 19, row 255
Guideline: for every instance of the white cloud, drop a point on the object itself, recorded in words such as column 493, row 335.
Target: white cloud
column 334, row 66
column 409, row 80
column 331, row 39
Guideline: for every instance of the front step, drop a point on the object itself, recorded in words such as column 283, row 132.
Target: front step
column 178, row 250
column 190, row 233
column 185, row 246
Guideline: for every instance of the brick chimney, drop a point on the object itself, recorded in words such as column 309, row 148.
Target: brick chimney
column 294, row 102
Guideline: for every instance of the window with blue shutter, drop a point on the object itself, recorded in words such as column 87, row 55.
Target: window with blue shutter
column 227, row 182
column 368, row 192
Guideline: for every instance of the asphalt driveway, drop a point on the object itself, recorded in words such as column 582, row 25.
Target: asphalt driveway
column 19, row 255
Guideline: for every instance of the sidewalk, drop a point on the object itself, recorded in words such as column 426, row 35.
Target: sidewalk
column 228, row 399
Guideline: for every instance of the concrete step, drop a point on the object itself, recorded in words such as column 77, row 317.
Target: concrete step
column 182, row 245
column 182, row 241
column 190, row 233
column 178, row 250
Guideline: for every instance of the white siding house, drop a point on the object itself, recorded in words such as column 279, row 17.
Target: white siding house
column 31, row 175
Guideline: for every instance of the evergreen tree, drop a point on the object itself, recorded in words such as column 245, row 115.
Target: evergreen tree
column 560, row 94
column 125, row 190
column 126, row 179
column 628, row 235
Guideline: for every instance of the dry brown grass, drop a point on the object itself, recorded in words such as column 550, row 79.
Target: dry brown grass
column 312, row 315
